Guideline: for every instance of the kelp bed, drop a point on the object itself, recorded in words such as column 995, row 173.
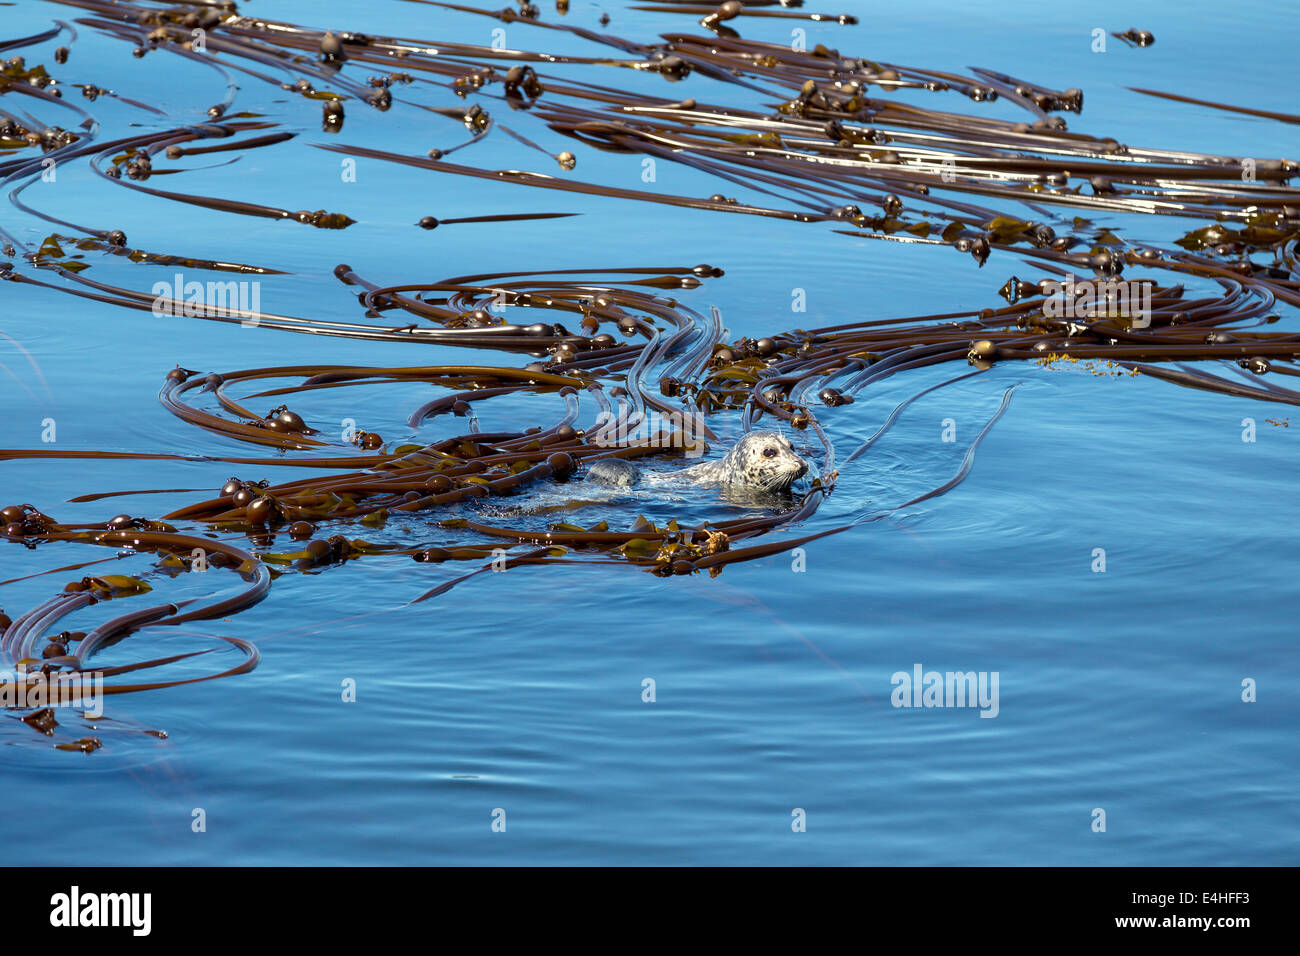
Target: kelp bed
column 870, row 149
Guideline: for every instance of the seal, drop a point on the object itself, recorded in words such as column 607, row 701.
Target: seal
column 761, row 461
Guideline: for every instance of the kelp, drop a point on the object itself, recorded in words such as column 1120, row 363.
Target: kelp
column 609, row 361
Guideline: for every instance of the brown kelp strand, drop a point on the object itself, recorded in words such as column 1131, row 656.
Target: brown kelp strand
column 40, row 659
column 467, row 468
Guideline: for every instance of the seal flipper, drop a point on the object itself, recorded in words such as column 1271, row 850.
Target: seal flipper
column 614, row 471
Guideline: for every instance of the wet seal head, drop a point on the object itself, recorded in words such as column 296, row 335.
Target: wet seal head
column 616, row 472
column 759, row 461
column 763, row 461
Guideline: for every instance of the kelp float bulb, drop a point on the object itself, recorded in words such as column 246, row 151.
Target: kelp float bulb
column 318, row 550
column 331, row 49
column 726, row 11
column 566, row 160
column 289, row 421
column 439, row 484
column 982, row 354
column 428, row 222
column 261, row 510
column 672, row 67
column 1104, row 263
column 301, row 530
column 1138, row 37
column 231, row 488
column 562, row 465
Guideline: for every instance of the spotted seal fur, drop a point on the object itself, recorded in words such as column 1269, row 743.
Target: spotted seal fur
column 761, row 461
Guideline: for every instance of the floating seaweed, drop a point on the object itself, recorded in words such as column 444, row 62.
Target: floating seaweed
column 612, row 361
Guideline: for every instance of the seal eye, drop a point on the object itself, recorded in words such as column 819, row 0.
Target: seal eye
column 769, row 452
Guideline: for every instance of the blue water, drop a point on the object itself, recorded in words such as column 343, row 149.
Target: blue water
column 522, row 692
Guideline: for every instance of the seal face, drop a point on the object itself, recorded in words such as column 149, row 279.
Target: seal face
column 763, row 461
column 759, row 461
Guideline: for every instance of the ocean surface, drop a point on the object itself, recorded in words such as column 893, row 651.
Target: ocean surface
column 771, row 739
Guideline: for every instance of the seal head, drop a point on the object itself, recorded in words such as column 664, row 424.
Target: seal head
column 762, row 461
column 759, row 461
column 617, row 472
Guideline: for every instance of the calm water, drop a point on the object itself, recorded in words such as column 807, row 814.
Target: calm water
column 1118, row 690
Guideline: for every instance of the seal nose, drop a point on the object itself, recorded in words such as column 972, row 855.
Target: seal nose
column 803, row 469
